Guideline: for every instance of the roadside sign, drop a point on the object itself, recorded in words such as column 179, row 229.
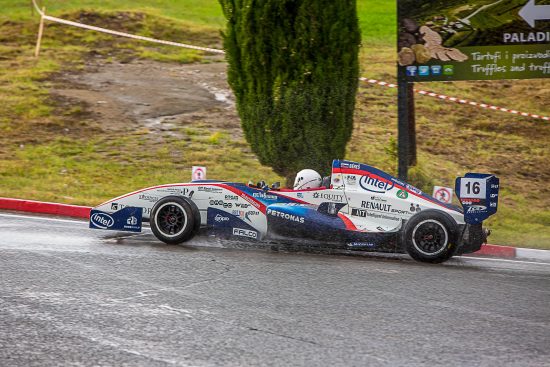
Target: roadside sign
column 198, row 173
column 443, row 194
column 473, row 39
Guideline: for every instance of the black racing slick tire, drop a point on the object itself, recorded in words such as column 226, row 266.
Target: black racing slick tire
column 175, row 219
column 430, row 236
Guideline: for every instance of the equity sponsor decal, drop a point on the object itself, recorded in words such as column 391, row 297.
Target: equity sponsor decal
column 375, row 184
column 276, row 213
column 245, row 233
column 102, row 220
column 330, row 197
column 381, row 207
column 220, row 218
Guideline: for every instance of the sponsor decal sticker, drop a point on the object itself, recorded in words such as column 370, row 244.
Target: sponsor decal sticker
column 358, row 212
column 211, row 189
column 350, row 165
column 220, row 203
column 360, row 244
column 414, row 209
column 413, row 189
column 331, row 197
column 102, row 220
column 402, row 194
column 294, row 218
column 245, row 233
column 220, row 218
column 244, row 206
column 375, row 184
column 351, row 180
column 264, row 196
column 150, row 198
column 476, row 209
column 231, row 197
column 376, row 206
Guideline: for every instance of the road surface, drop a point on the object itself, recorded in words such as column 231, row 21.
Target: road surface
column 74, row 296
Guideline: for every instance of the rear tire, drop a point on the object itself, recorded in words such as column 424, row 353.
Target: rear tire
column 430, row 236
column 174, row 219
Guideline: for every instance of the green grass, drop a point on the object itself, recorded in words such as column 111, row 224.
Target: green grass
column 60, row 154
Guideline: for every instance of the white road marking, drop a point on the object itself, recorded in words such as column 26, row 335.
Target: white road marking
column 43, row 218
column 503, row 260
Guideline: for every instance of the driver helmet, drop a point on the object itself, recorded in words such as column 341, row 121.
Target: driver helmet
column 307, row 179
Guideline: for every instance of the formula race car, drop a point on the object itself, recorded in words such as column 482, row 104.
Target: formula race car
column 358, row 207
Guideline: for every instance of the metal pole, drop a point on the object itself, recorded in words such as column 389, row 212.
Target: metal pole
column 412, row 124
column 40, row 32
column 403, row 128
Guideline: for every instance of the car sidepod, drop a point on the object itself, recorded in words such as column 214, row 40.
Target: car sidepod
column 325, row 224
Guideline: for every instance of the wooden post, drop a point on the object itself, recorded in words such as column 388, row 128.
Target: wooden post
column 40, row 32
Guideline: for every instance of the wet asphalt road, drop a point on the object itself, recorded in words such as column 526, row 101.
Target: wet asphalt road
column 74, row 296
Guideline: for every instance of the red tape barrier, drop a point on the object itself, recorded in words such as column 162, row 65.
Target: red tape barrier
column 459, row 100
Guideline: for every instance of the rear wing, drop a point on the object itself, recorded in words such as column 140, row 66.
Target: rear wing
column 478, row 194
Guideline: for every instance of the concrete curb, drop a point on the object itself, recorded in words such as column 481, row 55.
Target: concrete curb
column 66, row 210
column 40, row 207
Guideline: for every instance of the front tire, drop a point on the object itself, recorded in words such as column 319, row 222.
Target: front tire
column 174, row 220
column 430, row 236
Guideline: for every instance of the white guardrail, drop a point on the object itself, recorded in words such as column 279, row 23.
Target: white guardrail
column 44, row 17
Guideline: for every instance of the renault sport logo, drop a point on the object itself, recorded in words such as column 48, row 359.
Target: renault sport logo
column 102, row 220
column 373, row 184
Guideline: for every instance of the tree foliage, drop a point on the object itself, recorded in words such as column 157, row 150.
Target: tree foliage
column 293, row 66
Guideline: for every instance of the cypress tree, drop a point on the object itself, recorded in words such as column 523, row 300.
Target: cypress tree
column 293, row 67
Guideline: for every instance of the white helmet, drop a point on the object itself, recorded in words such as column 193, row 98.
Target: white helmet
column 307, row 179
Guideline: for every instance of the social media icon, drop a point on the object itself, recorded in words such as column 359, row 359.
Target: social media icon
column 448, row 70
column 424, row 70
column 436, row 69
column 411, row 70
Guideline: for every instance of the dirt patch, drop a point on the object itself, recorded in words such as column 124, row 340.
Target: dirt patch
column 147, row 94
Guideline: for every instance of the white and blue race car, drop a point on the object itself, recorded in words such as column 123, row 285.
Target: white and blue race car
column 358, row 207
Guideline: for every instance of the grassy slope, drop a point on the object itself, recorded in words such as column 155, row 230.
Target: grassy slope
column 77, row 162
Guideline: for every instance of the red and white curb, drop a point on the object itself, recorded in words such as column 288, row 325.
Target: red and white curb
column 40, row 207
column 77, row 211
column 509, row 252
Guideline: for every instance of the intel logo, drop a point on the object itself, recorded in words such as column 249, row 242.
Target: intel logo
column 102, row 220
column 373, row 184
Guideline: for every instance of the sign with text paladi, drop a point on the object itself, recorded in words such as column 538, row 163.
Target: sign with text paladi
column 473, row 39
